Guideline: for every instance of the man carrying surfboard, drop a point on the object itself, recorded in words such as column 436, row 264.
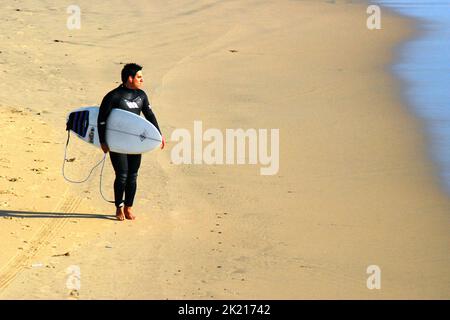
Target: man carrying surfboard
column 129, row 97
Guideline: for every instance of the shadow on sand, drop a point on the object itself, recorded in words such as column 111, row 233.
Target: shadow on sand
column 29, row 214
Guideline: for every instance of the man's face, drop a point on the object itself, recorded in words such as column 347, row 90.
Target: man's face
column 137, row 81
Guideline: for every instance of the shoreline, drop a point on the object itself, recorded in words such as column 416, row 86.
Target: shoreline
column 412, row 93
column 352, row 190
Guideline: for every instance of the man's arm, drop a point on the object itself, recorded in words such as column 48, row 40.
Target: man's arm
column 148, row 113
column 150, row 116
column 103, row 114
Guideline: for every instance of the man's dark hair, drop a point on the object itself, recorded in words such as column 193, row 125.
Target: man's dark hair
column 130, row 69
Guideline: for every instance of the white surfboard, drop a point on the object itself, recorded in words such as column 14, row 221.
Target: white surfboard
column 126, row 132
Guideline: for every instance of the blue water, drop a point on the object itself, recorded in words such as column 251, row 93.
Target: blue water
column 424, row 65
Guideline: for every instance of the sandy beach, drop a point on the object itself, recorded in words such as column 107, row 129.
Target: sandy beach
column 354, row 188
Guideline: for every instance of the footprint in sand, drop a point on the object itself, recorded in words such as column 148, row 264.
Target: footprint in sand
column 74, row 294
column 37, row 170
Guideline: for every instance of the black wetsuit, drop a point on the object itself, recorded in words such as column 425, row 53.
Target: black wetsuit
column 125, row 166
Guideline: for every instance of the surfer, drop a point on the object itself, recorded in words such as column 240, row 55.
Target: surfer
column 128, row 96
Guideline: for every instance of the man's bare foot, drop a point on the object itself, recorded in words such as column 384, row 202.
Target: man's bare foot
column 119, row 214
column 128, row 214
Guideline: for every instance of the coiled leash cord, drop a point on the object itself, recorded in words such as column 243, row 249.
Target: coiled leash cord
column 102, row 162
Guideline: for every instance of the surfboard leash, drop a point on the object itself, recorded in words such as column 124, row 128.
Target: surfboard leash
column 102, row 162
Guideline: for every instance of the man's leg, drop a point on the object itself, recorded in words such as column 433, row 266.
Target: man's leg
column 134, row 162
column 120, row 165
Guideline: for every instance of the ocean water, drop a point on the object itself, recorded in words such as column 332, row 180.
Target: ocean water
column 424, row 67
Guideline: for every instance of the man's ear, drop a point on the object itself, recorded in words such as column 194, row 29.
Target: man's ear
column 130, row 79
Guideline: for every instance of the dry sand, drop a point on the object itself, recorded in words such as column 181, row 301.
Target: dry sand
column 355, row 187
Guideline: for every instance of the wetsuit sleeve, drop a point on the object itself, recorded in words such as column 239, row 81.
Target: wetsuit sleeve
column 105, row 110
column 148, row 113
